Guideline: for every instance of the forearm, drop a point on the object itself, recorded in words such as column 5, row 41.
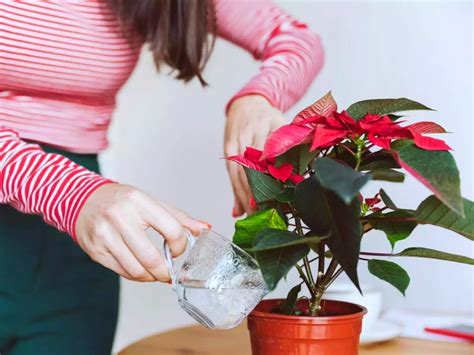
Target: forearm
column 292, row 54
column 46, row 184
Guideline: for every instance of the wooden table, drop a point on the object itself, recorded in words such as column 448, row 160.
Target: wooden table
column 198, row 340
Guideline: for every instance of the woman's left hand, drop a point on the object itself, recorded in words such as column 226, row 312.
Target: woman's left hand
column 250, row 120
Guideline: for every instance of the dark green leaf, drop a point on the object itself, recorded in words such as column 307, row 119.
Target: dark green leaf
column 246, row 229
column 299, row 157
column 400, row 144
column 394, row 117
column 306, row 157
column 288, row 306
column 387, row 200
column 344, row 181
column 388, row 271
column 263, row 186
column 382, row 163
column 437, row 170
column 436, row 254
column 325, row 212
column 433, row 211
column 383, row 107
column 276, row 263
column 388, row 175
column 269, row 239
column 395, row 230
column 286, row 195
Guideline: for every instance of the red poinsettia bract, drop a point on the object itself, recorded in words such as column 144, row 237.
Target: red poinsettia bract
column 326, row 131
column 252, row 158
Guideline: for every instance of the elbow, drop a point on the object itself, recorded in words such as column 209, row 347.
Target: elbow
column 316, row 51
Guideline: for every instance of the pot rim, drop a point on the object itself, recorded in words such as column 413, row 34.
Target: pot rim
column 325, row 319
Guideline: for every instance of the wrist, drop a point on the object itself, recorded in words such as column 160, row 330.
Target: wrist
column 247, row 99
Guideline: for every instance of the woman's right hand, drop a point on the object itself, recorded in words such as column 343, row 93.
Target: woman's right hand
column 111, row 229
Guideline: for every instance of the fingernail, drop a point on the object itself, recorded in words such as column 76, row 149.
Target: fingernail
column 208, row 225
column 169, row 282
column 234, row 212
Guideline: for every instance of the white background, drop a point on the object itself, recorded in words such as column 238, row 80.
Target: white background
column 167, row 136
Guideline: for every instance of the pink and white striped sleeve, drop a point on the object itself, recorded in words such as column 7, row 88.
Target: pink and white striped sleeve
column 292, row 54
column 50, row 185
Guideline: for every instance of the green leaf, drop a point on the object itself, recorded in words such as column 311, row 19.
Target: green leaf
column 286, row 195
column 288, row 306
column 306, row 156
column 246, row 229
column 433, row 211
column 344, row 181
column 275, row 263
column 299, row 157
column 381, row 162
column 437, row 170
column 325, row 212
column 387, row 200
column 388, row 175
column 394, row 117
column 383, row 107
column 395, row 230
column 436, row 254
column 390, row 272
column 269, row 239
column 263, row 186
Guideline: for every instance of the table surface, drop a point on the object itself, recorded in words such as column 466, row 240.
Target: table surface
column 197, row 340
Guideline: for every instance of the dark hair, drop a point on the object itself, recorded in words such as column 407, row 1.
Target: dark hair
column 176, row 30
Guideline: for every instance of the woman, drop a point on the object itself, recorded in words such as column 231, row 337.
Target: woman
column 61, row 65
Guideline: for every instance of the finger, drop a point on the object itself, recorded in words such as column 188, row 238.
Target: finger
column 259, row 139
column 277, row 123
column 128, row 260
column 245, row 191
column 110, row 262
column 145, row 251
column 237, row 210
column 101, row 255
column 239, row 188
column 168, row 226
column 187, row 221
column 231, row 150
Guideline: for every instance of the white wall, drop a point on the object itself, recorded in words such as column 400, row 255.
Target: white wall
column 167, row 137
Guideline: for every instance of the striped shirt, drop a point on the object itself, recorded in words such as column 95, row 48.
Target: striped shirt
column 62, row 64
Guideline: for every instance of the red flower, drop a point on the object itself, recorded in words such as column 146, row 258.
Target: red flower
column 324, row 132
column 371, row 202
column 252, row 158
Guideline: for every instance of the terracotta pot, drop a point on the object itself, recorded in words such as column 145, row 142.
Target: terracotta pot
column 335, row 332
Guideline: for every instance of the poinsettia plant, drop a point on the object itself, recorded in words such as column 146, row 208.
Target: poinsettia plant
column 306, row 191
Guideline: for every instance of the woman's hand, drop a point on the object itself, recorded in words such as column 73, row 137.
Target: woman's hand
column 249, row 121
column 111, row 229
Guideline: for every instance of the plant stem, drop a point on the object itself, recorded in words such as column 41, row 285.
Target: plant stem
column 375, row 254
column 331, row 268
column 334, row 277
column 391, row 219
column 320, row 262
column 347, row 148
column 305, row 280
column 307, row 268
column 358, row 155
column 314, row 259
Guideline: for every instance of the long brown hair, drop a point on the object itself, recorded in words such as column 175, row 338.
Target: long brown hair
column 176, row 30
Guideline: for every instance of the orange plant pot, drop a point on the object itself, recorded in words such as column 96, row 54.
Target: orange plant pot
column 336, row 332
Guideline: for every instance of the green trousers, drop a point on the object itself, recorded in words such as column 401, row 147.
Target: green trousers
column 54, row 300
